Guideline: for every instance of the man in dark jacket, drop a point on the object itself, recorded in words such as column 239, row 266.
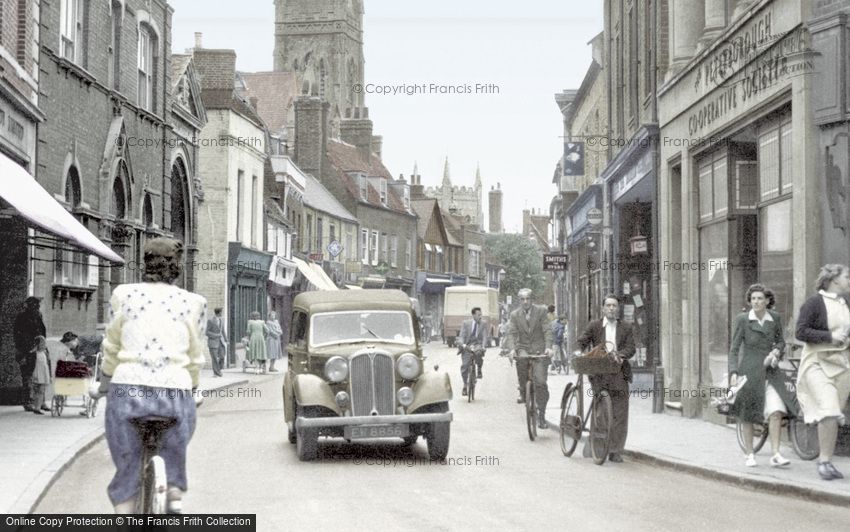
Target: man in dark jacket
column 28, row 325
column 611, row 330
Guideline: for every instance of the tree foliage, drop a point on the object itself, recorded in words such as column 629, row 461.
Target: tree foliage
column 521, row 260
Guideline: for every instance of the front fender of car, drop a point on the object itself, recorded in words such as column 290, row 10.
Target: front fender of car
column 311, row 390
column 432, row 387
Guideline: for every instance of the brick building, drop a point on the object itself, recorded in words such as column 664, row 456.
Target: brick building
column 108, row 151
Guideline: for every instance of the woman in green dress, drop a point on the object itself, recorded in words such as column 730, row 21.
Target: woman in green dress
column 757, row 345
column 257, row 331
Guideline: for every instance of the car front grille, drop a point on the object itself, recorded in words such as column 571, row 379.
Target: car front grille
column 372, row 384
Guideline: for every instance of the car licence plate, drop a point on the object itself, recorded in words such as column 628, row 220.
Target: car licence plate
column 376, row 431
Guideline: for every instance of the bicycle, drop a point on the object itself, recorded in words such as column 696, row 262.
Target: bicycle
column 803, row 436
column 153, row 481
column 600, row 414
column 471, row 371
column 560, row 361
column 531, row 409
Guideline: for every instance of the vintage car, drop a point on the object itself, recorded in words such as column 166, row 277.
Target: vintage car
column 356, row 371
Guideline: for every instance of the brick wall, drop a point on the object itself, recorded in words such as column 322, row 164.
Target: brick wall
column 216, row 68
column 311, row 118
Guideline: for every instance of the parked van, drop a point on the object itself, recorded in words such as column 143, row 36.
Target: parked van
column 458, row 304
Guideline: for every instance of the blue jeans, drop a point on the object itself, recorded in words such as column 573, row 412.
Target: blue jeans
column 130, row 401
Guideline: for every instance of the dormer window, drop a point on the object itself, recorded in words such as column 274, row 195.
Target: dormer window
column 406, row 190
column 364, row 187
column 383, row 188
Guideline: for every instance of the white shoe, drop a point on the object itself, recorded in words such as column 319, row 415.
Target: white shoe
column 751, row 460
column 777, row 460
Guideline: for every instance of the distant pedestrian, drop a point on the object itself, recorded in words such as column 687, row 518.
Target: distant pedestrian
column 28, row 325
column 216, row 341
column 550, row 314
column 257, row 331
column 273, row 351
column 757, row 346
column 823, row 381
column 42, row 376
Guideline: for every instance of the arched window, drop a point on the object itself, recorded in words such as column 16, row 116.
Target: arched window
column 178, row 200
column 72, row 266
column 147, row 212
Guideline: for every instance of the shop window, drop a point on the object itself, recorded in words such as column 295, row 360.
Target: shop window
column 776, row 227
column 714, row 302
column 775, row 159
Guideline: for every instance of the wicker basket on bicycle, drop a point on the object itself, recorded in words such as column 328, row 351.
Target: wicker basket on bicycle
column 597, row 361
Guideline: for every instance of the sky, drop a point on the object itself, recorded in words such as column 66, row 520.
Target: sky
column 521, row 54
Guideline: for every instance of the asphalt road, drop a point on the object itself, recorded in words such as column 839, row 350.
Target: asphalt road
column 241, row 462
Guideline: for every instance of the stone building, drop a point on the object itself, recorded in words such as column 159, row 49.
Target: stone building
column 465, row 201
column 117, row 151
column 232, row 267
column 494, row 205
column 322, row 41
column 741, row 191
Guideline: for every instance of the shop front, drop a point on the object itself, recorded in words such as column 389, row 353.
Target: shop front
column 585, row 259
column 247, row 290
column 632, row 272
column 736, row 188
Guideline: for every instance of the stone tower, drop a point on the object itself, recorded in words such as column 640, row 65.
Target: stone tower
column 495, row 218
column 323, row 39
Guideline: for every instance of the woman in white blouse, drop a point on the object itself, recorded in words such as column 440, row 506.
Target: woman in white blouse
column 153, row 351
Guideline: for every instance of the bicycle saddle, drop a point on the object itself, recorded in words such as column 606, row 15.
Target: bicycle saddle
column 154, row 423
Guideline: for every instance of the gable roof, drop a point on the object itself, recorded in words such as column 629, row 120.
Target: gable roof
column 228, row 99
column 275, row 93
column 189, row 103
column 423, row 209
column 346, row 159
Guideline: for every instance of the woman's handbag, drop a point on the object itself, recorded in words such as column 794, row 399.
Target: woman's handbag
column 723, row 405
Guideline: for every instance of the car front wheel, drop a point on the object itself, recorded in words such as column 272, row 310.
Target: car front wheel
column 438, row 436
column 306, row 439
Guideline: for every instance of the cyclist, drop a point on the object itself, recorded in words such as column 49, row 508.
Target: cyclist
column 610, row 329
column 473, row 336
column 530, row 332
column 153, row 352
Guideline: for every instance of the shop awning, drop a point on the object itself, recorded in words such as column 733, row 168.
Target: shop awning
column 38, row 207
column 282, row 271
column 316, row 278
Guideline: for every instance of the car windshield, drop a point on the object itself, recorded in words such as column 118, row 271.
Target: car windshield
column 361, row 326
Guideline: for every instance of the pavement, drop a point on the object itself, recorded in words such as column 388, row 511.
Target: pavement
column 34, row 450
column 711, row 451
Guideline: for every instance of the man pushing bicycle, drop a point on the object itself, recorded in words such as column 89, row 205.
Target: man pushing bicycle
column 530, row 332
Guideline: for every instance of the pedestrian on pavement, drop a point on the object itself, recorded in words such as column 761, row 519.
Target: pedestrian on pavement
column 42, row 376
column 530, row 333
column 257, row 331
column 472, row 342
column 28, row 325
column 550, row 314
column 559, row 360
column 153, row 353
column 757, row 346
column 823, row 381
column 216, row 341
column 273, row 350
column 611, row 330
column 84, row 348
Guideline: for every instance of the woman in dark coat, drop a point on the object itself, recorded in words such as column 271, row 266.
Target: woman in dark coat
column 757, row 345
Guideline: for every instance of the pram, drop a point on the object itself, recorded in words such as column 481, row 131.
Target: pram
column 254, row 365
column 74, row 378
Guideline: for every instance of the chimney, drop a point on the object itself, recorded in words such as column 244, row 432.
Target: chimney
column 254, row 100
column 199, row 40
column 357, row 131
column 216, row 68
column 311, row 139
column 495, row 207
column 377, row 146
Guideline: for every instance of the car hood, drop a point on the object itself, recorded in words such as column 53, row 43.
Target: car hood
column 347, row 350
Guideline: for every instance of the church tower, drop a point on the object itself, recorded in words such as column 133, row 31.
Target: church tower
column 323, row 40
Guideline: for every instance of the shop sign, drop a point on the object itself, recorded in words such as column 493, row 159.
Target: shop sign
column 554, row 262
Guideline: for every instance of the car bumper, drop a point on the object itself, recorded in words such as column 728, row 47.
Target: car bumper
column 309, row 422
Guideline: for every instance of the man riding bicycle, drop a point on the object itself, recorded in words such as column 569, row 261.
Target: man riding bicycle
column 530, row 332
column 471, row 343
column 153, row 352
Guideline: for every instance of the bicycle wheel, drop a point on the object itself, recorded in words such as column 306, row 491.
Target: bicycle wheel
column 804, row 439
column 152, row 495
column 571, row 423
column 759, row 436
column 530, row 410
column 601, row 419
column 470, row 383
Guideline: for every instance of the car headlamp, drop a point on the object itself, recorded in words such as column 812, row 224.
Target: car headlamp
column 336, row 369
column 408, row 366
